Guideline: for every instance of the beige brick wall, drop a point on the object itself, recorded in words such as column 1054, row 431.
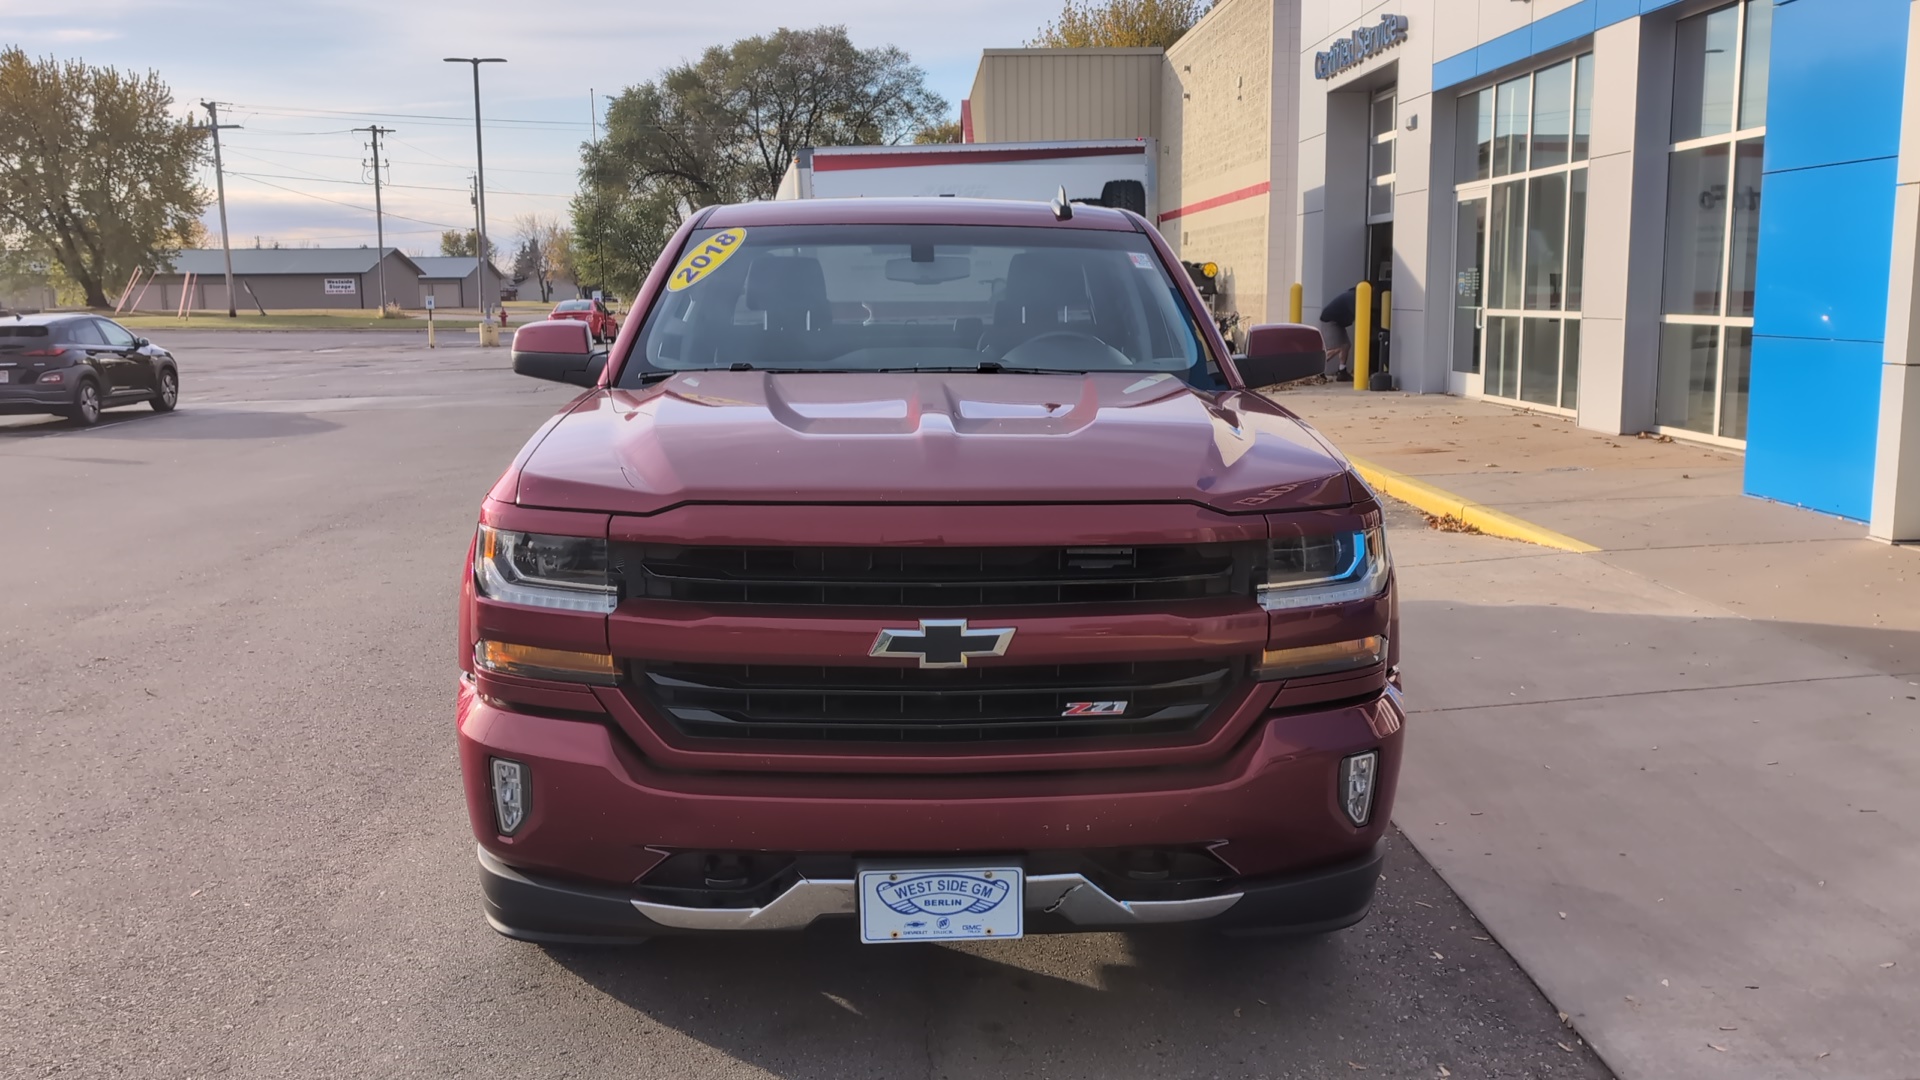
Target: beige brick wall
column 1217, row 105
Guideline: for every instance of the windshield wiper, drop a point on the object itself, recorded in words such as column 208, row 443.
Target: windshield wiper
column 986, row 367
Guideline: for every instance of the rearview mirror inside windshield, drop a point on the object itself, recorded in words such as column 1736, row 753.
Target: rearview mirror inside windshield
column 942, row 269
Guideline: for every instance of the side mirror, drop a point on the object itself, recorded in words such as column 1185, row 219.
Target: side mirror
column 558, row 350
column 141, row 343
column 1281, row 353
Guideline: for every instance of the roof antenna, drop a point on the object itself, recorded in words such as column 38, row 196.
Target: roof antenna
column 1062, row 208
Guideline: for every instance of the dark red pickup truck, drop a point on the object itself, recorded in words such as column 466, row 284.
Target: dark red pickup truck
column 925, row 564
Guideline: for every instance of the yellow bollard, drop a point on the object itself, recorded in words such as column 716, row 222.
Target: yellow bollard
column 1362, row 333
column 1295, row 297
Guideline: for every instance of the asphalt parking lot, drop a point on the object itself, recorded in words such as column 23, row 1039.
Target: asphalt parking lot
column 237, row 844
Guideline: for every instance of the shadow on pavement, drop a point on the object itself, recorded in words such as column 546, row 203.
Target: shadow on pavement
column 187, row 423
column 1175, row 1002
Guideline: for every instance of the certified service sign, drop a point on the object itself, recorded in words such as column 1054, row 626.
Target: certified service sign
column 1365, row 43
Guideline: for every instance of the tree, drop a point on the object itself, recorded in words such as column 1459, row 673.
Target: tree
column 724, row 129
column 462, row 242
column 96, row 172
column 946, row 131
column 1120, row 24
column 543, row 250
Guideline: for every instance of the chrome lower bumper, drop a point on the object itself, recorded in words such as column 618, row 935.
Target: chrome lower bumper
column 1071, row 896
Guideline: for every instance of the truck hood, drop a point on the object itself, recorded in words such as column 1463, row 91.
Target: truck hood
column 756, row 437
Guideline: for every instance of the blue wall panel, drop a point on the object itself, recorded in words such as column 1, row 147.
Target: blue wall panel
column 1839, row 72
column 1811, row 438
column 1826, row 240
column 1547, row 32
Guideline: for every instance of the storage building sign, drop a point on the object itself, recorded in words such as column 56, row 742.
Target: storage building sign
column 1366, row 43
column 340, row 286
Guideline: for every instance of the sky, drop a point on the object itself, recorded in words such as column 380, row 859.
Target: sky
column 298, row 77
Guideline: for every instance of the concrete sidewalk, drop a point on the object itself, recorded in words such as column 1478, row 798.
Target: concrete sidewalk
column 1676, row 777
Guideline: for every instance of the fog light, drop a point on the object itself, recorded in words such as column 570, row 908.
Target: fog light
column 533, row 662
column 510, row 795
column 1356, row 785
column 1326, row 659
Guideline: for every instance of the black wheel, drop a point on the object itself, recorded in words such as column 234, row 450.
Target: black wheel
column 169, row 393
column 85, row 410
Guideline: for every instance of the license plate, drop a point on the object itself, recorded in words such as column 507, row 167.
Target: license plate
column 947, row 904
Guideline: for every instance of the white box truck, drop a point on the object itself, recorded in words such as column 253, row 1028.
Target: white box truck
column 1107, row 172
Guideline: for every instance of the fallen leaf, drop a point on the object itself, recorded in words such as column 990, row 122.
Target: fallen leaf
column 1444, row 1073
column 1663, row 982
column 1437, row 956
column 1717, row 1046
column 1564, row 1046
column 1564, row 1018
column 1356, row 1066
column 1888, row 964
column 1477, row 937
column 1563, row 914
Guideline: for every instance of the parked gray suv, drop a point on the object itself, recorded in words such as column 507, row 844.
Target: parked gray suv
column 75, row 365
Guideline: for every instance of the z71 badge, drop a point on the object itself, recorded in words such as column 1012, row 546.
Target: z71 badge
column 1094, row 708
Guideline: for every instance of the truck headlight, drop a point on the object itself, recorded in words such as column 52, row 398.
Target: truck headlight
column 538, row 570
column 1308, row 571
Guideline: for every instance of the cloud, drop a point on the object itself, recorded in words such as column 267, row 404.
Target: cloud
column 77, row 35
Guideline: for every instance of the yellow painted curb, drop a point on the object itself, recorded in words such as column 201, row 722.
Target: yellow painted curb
column 1443, row 503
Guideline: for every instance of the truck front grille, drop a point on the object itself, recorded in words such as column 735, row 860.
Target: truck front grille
column 886, row 704
column 935, row 577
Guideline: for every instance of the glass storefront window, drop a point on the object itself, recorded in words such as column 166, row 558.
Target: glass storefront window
column 1511, row 105
column 1518, row 330
column 1570, row 367
column 1507, row 237
column 1714, row 184
column 1696, row 229
column 1689, row 361
column 1745, row 234
column 1381, row 199
column 1552, row 115
column 1540, row 362
column 1582, row 106
column 1546, row 241
column 1473, row 156
column 1383, row 115
column 1576, row 238
column 1754, row 65
column 1705, row 57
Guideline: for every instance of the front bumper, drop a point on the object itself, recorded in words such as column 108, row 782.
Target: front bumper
column 602, row 816
column 522, row 906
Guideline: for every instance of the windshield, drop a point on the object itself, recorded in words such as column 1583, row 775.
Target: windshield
column 918, row 298
column 574, row 305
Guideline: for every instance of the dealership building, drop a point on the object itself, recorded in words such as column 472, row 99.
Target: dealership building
column 1690, row 217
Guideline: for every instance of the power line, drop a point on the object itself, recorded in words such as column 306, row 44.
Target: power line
column 316, row 178
column 337, row 202
column 443, row 163
column 280, row 110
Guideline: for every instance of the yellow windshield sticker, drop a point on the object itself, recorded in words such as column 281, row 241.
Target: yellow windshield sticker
column 705, row 259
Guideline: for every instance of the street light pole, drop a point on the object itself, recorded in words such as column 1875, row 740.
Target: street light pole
column 480, row 179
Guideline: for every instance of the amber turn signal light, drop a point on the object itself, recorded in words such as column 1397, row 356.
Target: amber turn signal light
column 1327, row 659
column 534, row 662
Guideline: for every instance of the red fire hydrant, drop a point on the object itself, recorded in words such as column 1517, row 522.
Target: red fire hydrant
column 503, row 316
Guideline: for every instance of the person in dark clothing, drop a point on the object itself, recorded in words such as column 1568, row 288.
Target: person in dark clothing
column 1336, row 328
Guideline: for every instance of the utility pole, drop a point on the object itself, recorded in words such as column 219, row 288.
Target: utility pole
column 480, row 180
column 220, row 184
column 379, row 218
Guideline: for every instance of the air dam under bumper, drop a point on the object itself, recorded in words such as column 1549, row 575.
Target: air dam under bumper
column 532, row 909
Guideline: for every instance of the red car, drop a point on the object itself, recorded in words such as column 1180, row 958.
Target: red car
column 926, row 565
column 600, row 322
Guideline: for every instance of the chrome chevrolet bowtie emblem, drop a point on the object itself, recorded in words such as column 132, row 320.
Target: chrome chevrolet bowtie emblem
column 942, row 643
